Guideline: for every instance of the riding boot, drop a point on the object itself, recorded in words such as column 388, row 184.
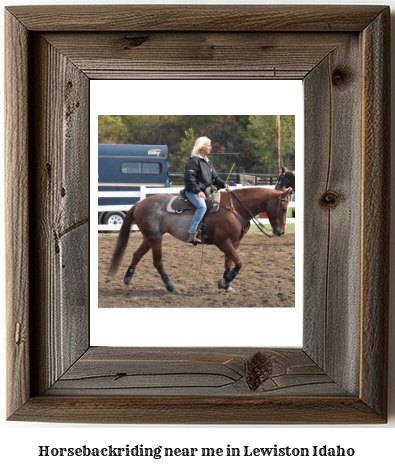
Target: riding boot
column 193, row 238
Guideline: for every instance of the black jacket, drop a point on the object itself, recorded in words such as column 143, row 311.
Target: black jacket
column 200, row 174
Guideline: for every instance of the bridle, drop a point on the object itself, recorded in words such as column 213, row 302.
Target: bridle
column 265, row 231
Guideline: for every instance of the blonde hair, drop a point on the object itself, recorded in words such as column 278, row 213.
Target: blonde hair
column 199, row 144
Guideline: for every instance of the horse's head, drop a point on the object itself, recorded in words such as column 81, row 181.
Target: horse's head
column 285, row 180
column 277, row 211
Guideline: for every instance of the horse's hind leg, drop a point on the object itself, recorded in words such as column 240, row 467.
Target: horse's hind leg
column 137, row 255
column 157, row 258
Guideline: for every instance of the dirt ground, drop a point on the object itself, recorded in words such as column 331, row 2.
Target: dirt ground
column 266, row 280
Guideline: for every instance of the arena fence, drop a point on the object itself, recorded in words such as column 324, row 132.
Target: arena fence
column 146, row 191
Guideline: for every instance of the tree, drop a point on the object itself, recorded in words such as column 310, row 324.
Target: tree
column 262, row 133
column 185, row 147
column 112, row 130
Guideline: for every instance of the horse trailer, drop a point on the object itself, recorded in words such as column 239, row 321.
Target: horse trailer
column 125, row 168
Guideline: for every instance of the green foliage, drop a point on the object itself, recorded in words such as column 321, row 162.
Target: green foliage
column 253, row 137
column 184, row 150
column 112, row 130
column 262, row 133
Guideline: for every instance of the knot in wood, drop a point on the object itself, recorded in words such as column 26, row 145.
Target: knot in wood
column 135, row 41
column 48, row 168
column 259, row 369
column 330, row 199
column 340, row 77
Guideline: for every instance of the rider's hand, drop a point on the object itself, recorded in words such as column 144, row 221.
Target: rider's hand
column 227, row 187
column 202, row 195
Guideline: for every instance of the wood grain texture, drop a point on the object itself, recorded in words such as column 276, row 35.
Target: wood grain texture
column 123, row 385
column 200, row 55
column 339, row 376
column 60, row 213
column 196, row 18
column 211, row 372
column 17, row 213
column 332, row 229
column 198, row 410
column 376, row 200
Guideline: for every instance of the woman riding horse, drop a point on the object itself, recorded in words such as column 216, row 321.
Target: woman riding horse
column 199, row 177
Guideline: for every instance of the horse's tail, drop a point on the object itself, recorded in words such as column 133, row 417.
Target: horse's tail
column 122, row 242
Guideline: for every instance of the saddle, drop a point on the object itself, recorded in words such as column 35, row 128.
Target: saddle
column 179, row 204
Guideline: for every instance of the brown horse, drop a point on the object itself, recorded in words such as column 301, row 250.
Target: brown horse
column 285, row 180
column 224, row 228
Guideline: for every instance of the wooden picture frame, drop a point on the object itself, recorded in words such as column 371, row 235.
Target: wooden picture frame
column 340, row 373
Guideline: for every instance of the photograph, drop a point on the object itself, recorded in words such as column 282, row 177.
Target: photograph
column 186, row 190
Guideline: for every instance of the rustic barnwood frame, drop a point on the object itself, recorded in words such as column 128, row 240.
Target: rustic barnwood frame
column 339, row 375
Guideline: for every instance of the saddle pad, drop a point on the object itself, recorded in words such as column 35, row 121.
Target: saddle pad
column 177, row 204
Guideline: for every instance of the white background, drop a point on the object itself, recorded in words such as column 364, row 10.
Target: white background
column 373, row 444
column 208, row 327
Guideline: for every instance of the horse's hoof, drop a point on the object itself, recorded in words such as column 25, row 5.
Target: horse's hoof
column 170, row 287
column 229, row 289
column 168, row 284
column 222, row 284
column 128, row 276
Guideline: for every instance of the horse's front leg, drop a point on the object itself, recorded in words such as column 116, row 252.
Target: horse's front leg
column 228, row 267
column 230, row 256
column 157, row 258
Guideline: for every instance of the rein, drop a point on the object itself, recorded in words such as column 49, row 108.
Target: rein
column 253, row 218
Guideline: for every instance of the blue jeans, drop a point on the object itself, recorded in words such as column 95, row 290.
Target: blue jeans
column 201, row 208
